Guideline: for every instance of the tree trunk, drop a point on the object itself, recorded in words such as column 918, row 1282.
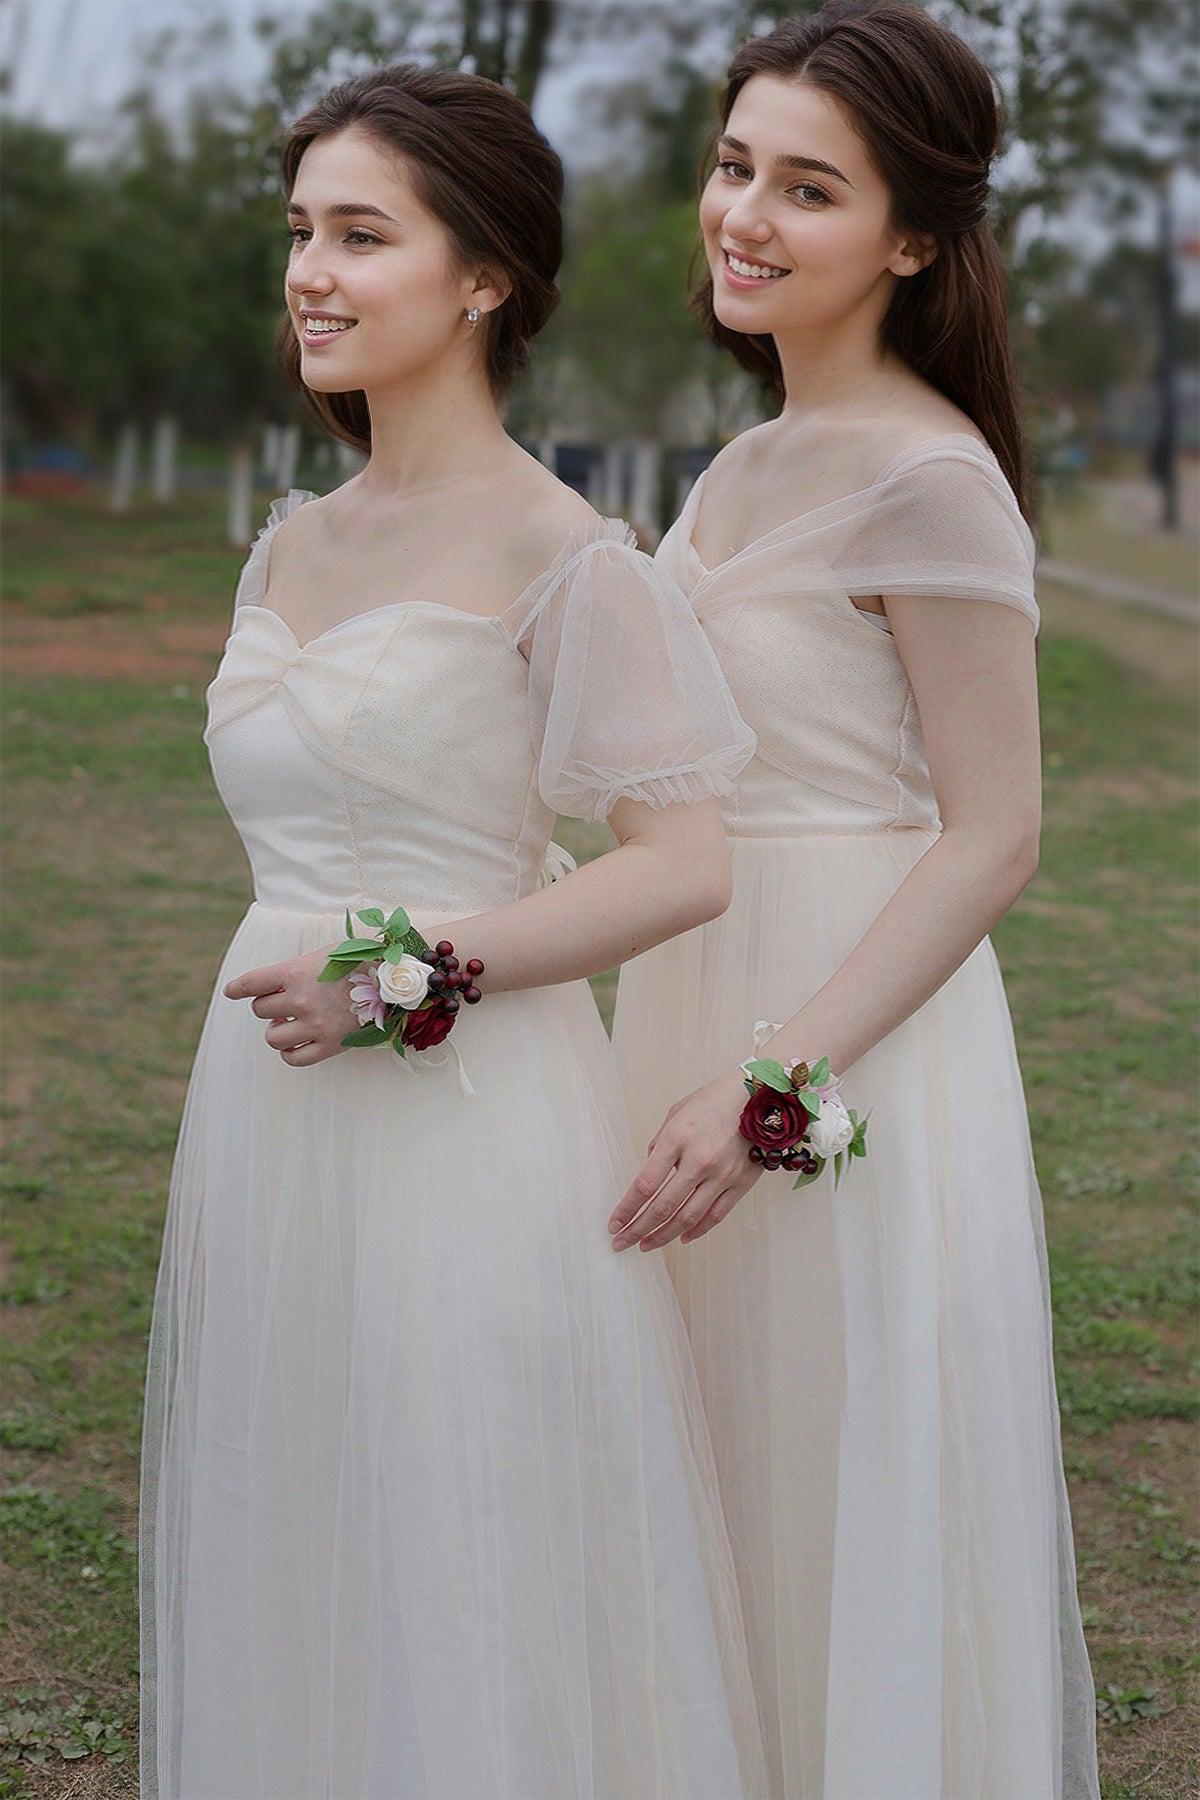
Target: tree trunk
column 531, row 60
column 270, row 451
column 164, row 458
column 614, row 479
column 124, row 475
column 241, row 492
column 289, row 457
column 643, row 501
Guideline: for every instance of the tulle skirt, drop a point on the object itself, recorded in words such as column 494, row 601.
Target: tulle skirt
column 876, row 1365
column 428, row 1508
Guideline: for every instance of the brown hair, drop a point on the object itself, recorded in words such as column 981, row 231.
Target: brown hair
column 927, row 111
column 483, row 168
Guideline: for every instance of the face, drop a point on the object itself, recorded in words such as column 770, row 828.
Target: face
column 796, row 220
column 374, row 290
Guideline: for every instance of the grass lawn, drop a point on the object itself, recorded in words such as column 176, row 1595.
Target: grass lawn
column 116, row 843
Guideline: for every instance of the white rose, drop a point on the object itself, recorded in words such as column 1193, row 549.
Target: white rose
column 404, row 983
column 833, row 1130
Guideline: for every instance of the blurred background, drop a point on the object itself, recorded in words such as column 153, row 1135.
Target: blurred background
column 144, row 431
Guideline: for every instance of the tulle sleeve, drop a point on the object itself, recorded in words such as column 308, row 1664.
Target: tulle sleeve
column 626, row 696
column 944, row 523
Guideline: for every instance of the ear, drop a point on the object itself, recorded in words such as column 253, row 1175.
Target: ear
column 489, row 289
column 913, row 252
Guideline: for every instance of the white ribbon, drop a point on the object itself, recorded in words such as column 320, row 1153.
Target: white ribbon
column 437, row 1058
column 556, row 863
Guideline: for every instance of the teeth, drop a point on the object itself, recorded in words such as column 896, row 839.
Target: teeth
column 329, row 324
column 759, row 271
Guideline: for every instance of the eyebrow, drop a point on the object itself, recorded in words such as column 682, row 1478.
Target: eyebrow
column 345, row 209
column 801, row 163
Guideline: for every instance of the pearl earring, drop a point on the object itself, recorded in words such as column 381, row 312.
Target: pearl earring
column 473, row 316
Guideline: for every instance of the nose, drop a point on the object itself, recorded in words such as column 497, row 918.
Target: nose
column 305, row 274
column 745, row 219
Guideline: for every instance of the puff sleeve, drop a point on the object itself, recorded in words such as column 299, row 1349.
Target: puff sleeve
column 626, row 698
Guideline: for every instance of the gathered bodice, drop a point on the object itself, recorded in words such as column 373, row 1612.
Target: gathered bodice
column 419, row 753
column 819, row 682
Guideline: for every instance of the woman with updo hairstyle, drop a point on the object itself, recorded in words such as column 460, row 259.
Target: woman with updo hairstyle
column 428, row 1507
column 875, row 1357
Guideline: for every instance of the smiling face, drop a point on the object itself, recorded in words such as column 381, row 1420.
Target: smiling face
column 797, row 222
column 374, row 289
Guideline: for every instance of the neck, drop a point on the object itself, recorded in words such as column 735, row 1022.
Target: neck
column 438, row 426
column 834, row 366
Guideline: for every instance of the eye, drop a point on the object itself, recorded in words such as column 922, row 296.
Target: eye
column 735, row 171
column 300, row 234
column 808, row 194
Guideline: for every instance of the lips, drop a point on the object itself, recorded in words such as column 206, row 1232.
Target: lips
column 318, row 328
column 749, row 272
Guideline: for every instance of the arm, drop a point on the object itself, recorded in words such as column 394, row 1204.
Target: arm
column 669, row 871
column 972, row 669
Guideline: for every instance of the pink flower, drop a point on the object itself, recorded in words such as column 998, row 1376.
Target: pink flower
column 370, row 1007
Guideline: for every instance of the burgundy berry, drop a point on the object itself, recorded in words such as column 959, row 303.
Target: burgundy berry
column 451, row 1004
column 474, row 967
column 450, row 962
column 452, row 979
column 472, row 995
column 756, row 1154
column 445, row 948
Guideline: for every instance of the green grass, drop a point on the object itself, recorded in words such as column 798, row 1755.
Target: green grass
column 1086, row 527
column 114, row 834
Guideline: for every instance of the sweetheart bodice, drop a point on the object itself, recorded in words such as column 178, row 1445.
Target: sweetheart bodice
column 419, row 753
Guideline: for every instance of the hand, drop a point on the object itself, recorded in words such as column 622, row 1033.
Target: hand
column 697, row 1170
column 309, row 1018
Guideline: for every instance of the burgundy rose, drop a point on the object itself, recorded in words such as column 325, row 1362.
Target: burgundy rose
column 772, row 1120
column 428, row 1026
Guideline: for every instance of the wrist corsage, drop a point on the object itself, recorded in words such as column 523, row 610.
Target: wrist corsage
column 795, row 1119
column 403, row 993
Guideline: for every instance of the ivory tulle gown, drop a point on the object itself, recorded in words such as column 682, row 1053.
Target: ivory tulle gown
column 428, row 1508
column 876, row 1364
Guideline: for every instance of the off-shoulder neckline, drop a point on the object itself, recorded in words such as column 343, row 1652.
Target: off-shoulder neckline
column 581, row 537
column 958, row 446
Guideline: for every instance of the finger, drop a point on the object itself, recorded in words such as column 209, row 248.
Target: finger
column 287, row 1034
column 305, row 1055
column 269, row 1006
column 667, row 1201
column 646, row 1184
column 720, row 1209
column 686, row 1217
column 269, row 980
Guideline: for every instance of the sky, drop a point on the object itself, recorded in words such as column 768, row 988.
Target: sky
column 71, row 59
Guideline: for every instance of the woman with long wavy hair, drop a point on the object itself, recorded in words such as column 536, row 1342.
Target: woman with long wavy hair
column 876, row 1361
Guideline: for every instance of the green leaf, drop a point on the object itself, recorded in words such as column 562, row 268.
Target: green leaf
column 394, row 952
column 365, row 1038
column 812, row 1102
column 819, row 1075
column 807, row 1180
column 397, row 923
column 770, row 1073
column 349, row 926
column 838, row 1163
column 370, row 915
column 398, row 1045
column 337, row 967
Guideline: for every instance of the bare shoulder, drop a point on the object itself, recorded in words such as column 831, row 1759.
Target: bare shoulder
column 540, row 513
